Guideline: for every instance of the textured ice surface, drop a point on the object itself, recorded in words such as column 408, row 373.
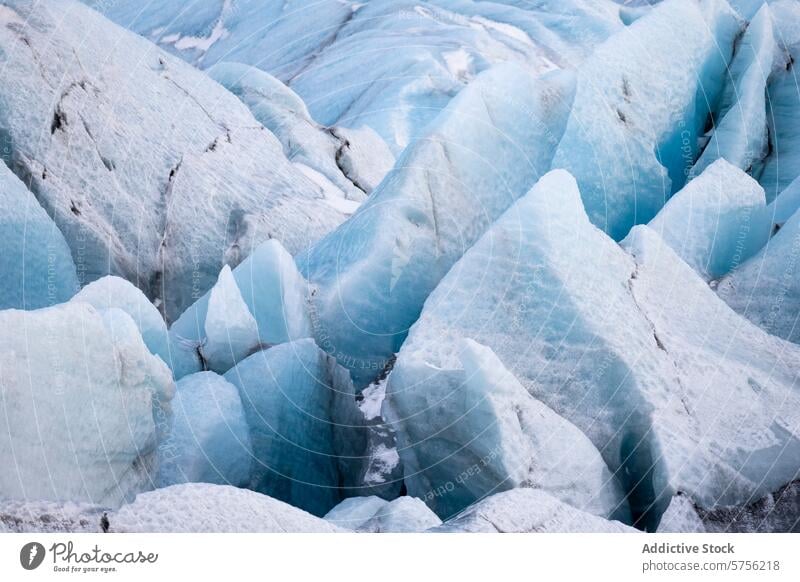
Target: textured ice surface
column 209, row 441
column 110, row 291
column 326, row 151
column 301, row 411
column 484, row 151
column 375, row 515
column 527, row 511
column 468, row 433
column 642, row 101
column 206, row 508
column 274, row 293
column 49, row 517
column 83, row 400
column 766, row 289
column 391, row 65
column 231, row 330
column 717, row 221
column 740, row 123
column 637, row 354
column 681, row 517
column 36, row 265
column 151, row 170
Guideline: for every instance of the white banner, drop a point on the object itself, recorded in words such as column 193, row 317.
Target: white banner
column 400, row 557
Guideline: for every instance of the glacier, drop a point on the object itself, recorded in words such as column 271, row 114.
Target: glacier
column 85, row 401
column 375, row 515
column 209, row 439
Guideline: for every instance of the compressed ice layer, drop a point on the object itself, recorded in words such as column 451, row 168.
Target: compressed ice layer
column 209, row 441
column 115, row 292
column 206, row 508
column 300, row 407
column 375, row 515
column 527, row 511
column 372, row 275
column 36, row 264
column 83, row 403
column 464, row 434
column 642, row 100
column 151, row 170
column 273, row 292
column 717, row 221
column 740, row 133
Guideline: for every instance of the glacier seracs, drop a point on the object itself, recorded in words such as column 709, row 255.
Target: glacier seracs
column 209, row 440
column 465, row 434
column 375, row 515
column 371, row 276
column 717, row 221
column 643, row 99
column 36, row 264
column 85, row 403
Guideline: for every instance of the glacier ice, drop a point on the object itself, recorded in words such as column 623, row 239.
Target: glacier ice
column 324, row 152
column 208, row 508
column 766, row 289
column 301, row 410
column 642, row 101
column 36, row 264
column 717, row 221
column 371, row 276
column 527, row 511
column 468, row 433
column 740, row 133
column 114, row 292
column 274, row 293
column 17, row 516
column 231, row 331
column 375, row 515
column 151, row 170
column 209, row 440
column 83, row 404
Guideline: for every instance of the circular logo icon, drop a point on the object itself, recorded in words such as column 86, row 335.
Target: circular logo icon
column 31, row 555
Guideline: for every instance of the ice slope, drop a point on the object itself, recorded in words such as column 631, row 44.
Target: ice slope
column 766, row 289
column 109, row 292
column 83, row 403
column 301, row 410
column 209, row 440
column 375, row 515
column 36, row 265
column 372, row 275
column 527, row 511
column 783, row 103
column 273, row 292
column 740, row 133
column 643, row 99
column 637, row 354
column 391, row 65
column 351, row 162
column 717, row 221
column 465, row 434
column 49, row 517
column 206, row 508
column 151, row 170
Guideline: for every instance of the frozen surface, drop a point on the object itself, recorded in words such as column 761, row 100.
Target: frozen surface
column 375, row 515
column 465, row 434
column 83, row 401
column 49, row 517
column 484, row 151
column 740, row 133
column 301, row 413
column 36, row 264
column 206, row 508
column 274, row 293
column 151, row 170
column 717, row 221
column 209, row 441
column 528, row 511
column 109, row 292
column 642, row 101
